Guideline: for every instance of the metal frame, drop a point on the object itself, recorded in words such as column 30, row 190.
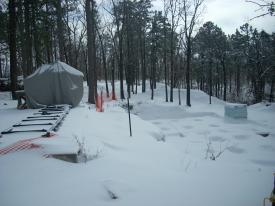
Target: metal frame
column 45, row 115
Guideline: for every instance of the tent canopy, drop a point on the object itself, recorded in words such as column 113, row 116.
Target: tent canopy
column 51, row 84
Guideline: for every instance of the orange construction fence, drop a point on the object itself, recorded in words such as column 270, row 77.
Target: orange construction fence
column 103, row 97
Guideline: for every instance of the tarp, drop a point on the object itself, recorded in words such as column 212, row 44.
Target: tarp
column 52, row 84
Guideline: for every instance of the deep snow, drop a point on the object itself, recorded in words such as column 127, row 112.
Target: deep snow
column 166, row 162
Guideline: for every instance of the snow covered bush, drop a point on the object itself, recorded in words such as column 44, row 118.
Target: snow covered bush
column 212, row 153
column 83, row 154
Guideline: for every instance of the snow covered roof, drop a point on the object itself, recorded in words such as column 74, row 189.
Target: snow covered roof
column 56, row 68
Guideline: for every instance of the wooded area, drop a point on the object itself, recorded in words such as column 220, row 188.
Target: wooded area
column 128, row 40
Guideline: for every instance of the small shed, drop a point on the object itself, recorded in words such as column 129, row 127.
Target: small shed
column 51, row 84
column 236, row 111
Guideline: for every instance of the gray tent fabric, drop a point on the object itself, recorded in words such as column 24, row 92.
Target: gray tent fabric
column 52, row 84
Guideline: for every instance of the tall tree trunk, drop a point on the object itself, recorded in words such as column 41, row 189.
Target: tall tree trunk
column 137, row 69
column 142, row 58
column 104, row 63
column 179, row 93
column 128, row 61
column 210, row 81
column 272, row 88
column 120, row 45
column 188, row 59
column 202, row 76
column 12, row 46
column 105, row 73
column 153, row 62
column 172, row 65
column 153, row 75
column 230, row 82
column 28, row 39
column 1, row 74
column 69, row 56
column 121, row 69
column 6, row 65
column 238, row 81
column 49, row 49
column 224, row 80
column 38, row 58
column 90, row 17
column 165, row 64
column 60, row 30
column 113, row 78
column 21, row 25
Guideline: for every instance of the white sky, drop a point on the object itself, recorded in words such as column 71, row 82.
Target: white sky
column 231, row 14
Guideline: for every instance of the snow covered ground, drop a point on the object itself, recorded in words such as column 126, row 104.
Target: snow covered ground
column 168, row 161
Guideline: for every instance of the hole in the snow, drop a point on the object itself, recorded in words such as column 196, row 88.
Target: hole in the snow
column 217, row 139
column 181, row 135
column 214, row 125
column 263, row 134
column 236, row 150
column 188, row 127
column 70, row 157
column 112, row 195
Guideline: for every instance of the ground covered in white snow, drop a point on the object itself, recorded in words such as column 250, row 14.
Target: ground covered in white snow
column 177, row 156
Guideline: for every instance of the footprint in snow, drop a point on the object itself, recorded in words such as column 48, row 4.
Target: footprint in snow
column 181, row 135
column 235, row 150
column 265, row 163
column 112, row 146
column 214, row 125
column 217, row 139
column 188, row 127
column 223, row 130
column 158, row 136
column 116, row 189
column 165, row 128
column 269, row 148
column 205, row 132
column 263, row 134
column 174, row 120
column 241, row 137
column 175, row 134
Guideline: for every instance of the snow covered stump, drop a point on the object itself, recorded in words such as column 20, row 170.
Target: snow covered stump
column 236, row 111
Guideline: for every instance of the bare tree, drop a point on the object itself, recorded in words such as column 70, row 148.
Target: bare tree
column 120, row 28
column 28, row 39
column 103, row 53
column 190, row 16
column 12, row 46
column 173, row 10
column 165, row 52
column 60, row 31
column 91, row 37
column 268, row 7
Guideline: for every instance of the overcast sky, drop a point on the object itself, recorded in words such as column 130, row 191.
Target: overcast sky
column 231, row 14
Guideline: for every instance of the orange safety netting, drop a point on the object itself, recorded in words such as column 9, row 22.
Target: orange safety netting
column 103, row 97
column 22, row 145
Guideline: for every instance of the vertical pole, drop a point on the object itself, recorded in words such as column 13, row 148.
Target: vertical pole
column 129, row 115
column 101, row 100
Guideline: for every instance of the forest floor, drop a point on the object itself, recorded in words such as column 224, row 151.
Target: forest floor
column 176, row 156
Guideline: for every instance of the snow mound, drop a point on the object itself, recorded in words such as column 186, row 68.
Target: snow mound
column 236, row 111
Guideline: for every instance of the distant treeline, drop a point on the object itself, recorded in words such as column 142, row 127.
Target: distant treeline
column 127, row 40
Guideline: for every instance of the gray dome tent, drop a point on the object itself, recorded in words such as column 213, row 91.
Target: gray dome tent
column 51, row 84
